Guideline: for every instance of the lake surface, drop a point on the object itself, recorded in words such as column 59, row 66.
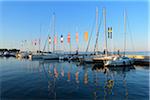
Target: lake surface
column 25, row 79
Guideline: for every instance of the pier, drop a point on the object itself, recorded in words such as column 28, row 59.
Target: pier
column 140, row 60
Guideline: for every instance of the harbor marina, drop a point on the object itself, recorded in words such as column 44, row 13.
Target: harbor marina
column 74, row 50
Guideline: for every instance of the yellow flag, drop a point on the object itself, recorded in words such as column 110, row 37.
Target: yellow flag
column 86, row 36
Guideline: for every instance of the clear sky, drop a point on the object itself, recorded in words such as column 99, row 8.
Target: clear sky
column 21, row 21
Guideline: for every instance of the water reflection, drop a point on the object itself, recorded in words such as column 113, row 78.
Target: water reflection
column 85, row 76
column 100, row 80
column 62, row 71
column 77, row 76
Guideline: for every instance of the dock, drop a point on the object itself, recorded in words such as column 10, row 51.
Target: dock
column 140, row 60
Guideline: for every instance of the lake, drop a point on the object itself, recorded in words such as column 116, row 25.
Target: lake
column 25, row 79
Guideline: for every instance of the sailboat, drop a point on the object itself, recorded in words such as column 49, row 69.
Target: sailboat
column 38, row 54
column 88, row 58
column 105, row 57
column 35, row 56
column 53, row 55
column 46, row 55
column 121, row 60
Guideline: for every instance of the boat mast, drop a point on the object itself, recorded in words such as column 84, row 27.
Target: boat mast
column 104, row 15
column 97, row 28
column 124, row 32
column 40, row 40
column 96, row 45
column 54, row 31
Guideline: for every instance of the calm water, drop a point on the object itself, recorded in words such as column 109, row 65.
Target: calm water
column 25, row 79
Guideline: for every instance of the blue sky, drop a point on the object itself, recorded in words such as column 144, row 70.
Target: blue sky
column 21, row 21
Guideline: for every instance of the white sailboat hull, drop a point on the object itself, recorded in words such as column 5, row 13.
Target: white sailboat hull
column 36, row 56
column 50, row 57
column 120, row 61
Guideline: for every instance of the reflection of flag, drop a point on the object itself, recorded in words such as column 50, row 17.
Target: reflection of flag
column 68, row 37
column 85, row 78
column 86, row 36
column 68, row 76
column 77, row 37
column 55, row 40
column 61, row 39
column 62, row 73
column 55, row 72
column 49, row 40
column 110, row 32
column 77, row 74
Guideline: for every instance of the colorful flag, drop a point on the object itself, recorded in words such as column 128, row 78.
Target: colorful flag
column 39, row 41
column 61, row 39
column 86, row 36
column 110, row 32
column 68, row 37
column 55, row 40
column 49, row 40
column 35, row 42
column 77, row 37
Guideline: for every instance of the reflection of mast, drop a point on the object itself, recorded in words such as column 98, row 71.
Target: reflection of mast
column 126, row 90
column 109, row 83
column 40, row 78
column 55, row 88
column 51, row 85
column 125, row 85
column 77, row 78
column 49, row 82
column 95, row 84
column 55, row 76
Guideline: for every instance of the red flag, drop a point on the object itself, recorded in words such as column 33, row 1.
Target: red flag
column 69, row 76
column 68, row 37
column 77, row 37
column 55, row 40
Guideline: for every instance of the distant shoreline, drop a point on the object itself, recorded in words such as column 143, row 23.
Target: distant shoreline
column 145, row 53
